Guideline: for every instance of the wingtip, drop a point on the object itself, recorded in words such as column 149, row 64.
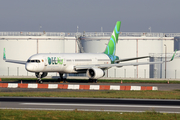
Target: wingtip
column 173, row 55
column 4, row 55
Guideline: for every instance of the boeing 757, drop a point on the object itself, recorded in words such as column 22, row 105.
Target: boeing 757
column 93, row 64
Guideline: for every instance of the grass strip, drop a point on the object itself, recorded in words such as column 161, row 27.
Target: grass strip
column 86, row 81
column 138, row 81
column 99, row 94
column 7, row 114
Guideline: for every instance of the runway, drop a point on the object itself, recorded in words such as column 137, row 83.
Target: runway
column 90, row 104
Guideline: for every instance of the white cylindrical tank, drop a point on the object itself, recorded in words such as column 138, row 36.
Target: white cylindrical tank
column 94, row 44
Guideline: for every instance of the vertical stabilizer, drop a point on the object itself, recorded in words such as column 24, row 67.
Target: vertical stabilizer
column 4, row 54
column 111, row 47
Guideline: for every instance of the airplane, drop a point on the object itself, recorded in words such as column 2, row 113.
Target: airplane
column 93, row 64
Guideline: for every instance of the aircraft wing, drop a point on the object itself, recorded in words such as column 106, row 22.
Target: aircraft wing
column 16, row 61
column 128, row 59
column 106, row 66
column 12, row 61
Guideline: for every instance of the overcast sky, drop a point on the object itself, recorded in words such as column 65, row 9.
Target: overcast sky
column 90, row 15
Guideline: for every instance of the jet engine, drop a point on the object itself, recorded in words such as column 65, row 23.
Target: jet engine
column 95, row 73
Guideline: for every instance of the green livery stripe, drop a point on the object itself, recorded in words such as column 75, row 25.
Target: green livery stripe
column 111, row 47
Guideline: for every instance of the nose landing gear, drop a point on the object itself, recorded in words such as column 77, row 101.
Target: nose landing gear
column 40, row 75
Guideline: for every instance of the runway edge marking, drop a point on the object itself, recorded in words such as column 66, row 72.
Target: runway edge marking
column 76, row 87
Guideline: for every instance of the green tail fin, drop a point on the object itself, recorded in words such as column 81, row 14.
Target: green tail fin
column 4, row 54
column 111, row 47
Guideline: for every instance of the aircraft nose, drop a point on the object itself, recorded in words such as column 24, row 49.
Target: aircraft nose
column 29, row 67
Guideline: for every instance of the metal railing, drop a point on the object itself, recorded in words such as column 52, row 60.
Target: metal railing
column 63, row 34
column 168, row 55
column 89, row 34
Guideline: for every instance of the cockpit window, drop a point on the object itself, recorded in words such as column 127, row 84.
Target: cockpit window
column 33, row 61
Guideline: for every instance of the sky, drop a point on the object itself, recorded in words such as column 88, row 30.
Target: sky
column 90, row 15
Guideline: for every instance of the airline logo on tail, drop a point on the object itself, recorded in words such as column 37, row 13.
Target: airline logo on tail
column 111, row 47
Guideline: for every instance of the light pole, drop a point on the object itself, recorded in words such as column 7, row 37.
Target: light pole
column 101, row 29
column 38, row 40
column 77, row 28
column 150, row 29
column 40, row 28
column 165, row 58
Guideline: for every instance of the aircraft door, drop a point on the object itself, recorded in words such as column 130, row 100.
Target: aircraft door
column 41, row 64
column 36, row 64
column 94, row 61
column 64, row 62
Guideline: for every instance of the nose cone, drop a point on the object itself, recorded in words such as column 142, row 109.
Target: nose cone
column 29, row 67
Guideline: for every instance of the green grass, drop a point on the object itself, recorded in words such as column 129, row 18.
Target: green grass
column 17, row 79
column 138, row 81
column 83, row 115
column 86, row 81
column 100, row 94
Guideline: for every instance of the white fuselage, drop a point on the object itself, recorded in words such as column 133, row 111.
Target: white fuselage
column 63, row 62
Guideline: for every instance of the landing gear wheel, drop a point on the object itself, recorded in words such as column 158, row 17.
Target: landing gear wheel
column 58, row 80
column 95, row 81
column 61, row 78
column 91, row 80
column 40, row 81
column 64, row 80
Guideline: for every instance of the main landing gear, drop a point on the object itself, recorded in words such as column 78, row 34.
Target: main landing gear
column 61, row 78
column 93, row 80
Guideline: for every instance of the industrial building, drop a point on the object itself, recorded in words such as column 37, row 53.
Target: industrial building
column 159, row 46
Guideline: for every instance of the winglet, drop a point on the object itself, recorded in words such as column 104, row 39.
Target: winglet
column 173, row 55
column 4, row 54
